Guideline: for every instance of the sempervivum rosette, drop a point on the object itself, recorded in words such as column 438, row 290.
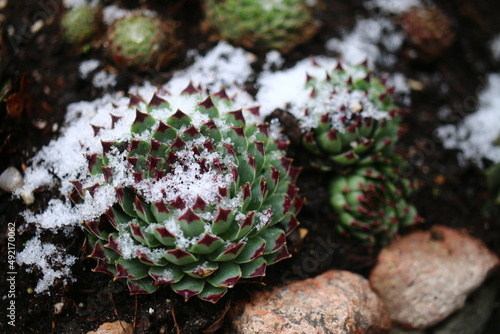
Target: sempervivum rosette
column 263, row 25
column 371, row 204
column 203, row 198
column 142, row 40
column 350, row 118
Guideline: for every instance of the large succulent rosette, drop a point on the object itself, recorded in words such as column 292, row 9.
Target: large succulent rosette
column 350, row 118
column 203, row 198
column 262, row 25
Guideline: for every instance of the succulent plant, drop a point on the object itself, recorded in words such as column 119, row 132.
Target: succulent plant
column 141, row 40
column 203, row 198
column 429, row 30
column 349, row 118
column 81, row 23
column 370, row 203
column 262, row 25
column 351, row 124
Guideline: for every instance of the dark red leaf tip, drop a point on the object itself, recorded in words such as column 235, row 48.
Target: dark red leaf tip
column 135, row 100
column 156, row 101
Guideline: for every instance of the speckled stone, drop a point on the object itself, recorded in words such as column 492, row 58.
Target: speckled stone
column 427, row 275
column 334, row 302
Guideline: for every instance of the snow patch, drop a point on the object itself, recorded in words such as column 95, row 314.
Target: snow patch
column 222, row 67
column 277, row 89
column 52, row 262
column 88, row 66
column 364, row 42
column 477, row 134
column 392, row 6
column 79, row 3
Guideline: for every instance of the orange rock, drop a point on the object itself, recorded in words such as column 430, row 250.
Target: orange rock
column 334, row 302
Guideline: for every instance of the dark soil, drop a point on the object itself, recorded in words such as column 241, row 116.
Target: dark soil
column 43, row 71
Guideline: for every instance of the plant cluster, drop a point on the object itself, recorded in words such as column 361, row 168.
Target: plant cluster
column 352, row 125
column 203, row 198
column 140, row 39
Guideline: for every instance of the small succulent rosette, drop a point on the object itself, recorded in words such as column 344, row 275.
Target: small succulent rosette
column 429, row 31
column 262, row 25
column 80, row 24
column 349, row 118
column 201, row 198
column 371, row 204
column 143, row 41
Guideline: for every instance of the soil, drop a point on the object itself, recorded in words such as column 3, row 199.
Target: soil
column 43, row 70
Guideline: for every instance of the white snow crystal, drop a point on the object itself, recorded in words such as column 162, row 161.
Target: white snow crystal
column 51, row 260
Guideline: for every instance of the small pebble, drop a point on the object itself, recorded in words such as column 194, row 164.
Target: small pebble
column 28, row 197
column 58, row 307
column 11, row 179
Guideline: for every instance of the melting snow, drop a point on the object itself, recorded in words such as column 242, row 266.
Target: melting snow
column 46, row 257
column 88, row 66
column 363, row 42
column 476, row 134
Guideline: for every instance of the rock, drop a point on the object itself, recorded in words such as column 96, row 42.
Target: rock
column 472, row 318
column 334, row 302
column 117, row 327
column 10, row 179
column 427, row 275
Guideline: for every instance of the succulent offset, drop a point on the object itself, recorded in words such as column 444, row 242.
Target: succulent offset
column 351, row 118
column 370, row 204
column 142, row 41
column 81, row 23
column 429, row 30
column 262, row 25
column 203, row 198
